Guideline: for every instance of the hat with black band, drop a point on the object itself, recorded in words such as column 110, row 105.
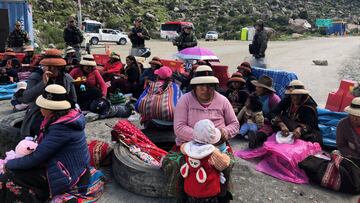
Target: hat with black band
column 54, row 98
column 354, row 107
column 204, row 75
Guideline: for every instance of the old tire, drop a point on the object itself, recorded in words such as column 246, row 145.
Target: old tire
column 136, row 176
column 10, row 131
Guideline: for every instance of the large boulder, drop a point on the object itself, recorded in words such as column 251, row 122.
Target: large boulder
column 271, row 33
column 299, row 25
column 150, row 16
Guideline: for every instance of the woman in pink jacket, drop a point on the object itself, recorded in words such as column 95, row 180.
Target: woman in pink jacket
column 203, row 102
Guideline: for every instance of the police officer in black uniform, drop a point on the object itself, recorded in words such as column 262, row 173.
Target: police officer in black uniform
column 73, row 36
column 17, row 38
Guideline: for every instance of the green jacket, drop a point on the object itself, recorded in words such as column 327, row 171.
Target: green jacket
column 185, row 40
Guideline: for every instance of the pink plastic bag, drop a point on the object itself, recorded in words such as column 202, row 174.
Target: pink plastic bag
column 251, row 153
column 280, row 160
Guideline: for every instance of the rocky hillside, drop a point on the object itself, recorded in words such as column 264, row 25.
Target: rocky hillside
column 225, row 16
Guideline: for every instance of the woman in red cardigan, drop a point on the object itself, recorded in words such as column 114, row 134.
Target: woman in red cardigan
column 89, row 83
column 112, row 68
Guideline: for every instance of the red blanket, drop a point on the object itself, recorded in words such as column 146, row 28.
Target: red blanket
column 128, row 133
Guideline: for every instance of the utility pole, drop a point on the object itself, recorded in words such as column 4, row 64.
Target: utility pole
column 79, row 13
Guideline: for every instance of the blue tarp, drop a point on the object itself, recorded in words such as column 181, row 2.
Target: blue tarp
column 328, row 122
column 7, row 91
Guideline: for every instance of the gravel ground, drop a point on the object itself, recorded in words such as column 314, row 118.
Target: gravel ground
column 250, row 185
column 351, row 70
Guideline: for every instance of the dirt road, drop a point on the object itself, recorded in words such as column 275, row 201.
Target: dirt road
column 295, row 56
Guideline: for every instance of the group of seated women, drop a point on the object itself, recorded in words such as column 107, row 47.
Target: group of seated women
column 250, row 108
column 262, row 112
column 85, row 82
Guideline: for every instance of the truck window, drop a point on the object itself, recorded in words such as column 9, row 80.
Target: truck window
column 92, row 28
column 170, row 27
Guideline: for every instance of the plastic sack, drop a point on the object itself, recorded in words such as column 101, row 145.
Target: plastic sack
column 280, row 139
column 280, row 160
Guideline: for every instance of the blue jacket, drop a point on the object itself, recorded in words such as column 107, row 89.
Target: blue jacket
column 64, row 152
column 149, row 74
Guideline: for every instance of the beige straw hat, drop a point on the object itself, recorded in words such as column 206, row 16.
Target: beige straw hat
column 354, row 108
column 204, row 75
column 69, row 50
column 54, row 98
column 88, row 60
column 296, row 87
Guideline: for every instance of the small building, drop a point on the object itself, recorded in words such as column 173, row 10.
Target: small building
column 337, row 28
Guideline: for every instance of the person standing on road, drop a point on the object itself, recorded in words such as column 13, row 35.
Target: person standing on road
column 17, row 38
column 186, row 38
column 73, row 36
column 137, row 36
column 259, row 45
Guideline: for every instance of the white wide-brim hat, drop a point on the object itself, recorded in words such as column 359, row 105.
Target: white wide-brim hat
column 354, row 107
column 69, row 49
column 88, row 60
column 204, row 75
column 296, row 87
column 53, row 98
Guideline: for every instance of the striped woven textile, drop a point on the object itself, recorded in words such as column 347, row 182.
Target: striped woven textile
column 94, row 191
column 23, row 76
column 156, row 103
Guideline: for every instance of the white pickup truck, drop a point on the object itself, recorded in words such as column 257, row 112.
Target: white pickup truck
column 106, row 35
